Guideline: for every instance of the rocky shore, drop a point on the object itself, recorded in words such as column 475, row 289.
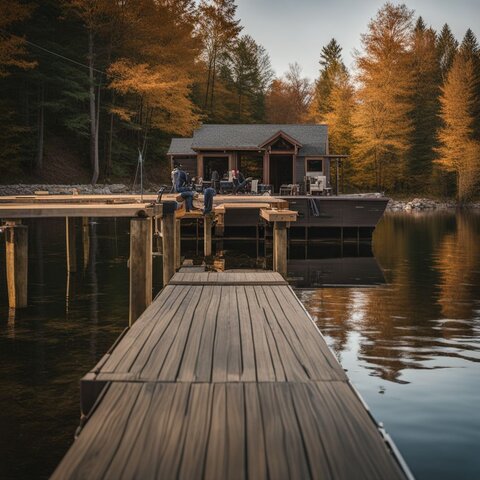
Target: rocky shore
column 425, row 204
column 23, row 189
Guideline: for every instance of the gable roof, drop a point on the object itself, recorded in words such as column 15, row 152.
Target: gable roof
column 312, row 139
column 280, row 134
column 181, row 146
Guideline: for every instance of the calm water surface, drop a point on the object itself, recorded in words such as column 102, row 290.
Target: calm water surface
column 405, row 323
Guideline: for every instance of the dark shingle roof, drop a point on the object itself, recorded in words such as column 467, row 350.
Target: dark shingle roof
column 312, row 137
column 181, row 146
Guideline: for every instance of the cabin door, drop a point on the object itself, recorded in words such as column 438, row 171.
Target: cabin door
column 281, row 171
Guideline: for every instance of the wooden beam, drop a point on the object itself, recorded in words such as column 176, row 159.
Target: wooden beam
column 46, row 210
column 278, row 215
column 71, row 244
column 168, row 240
column 140, row 266
column 16, row 249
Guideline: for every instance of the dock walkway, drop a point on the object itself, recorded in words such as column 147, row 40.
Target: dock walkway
column 225, row 376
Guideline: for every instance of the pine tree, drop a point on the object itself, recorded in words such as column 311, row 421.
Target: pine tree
column 459, row 151
column 470, row 50
column 332, row 68
column 382, row 119
column 248, row 73
column 447, row 47
column 426, row 90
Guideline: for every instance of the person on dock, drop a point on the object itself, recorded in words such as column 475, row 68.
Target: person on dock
column 208, row 195
column 239, row 181
column 181, row 186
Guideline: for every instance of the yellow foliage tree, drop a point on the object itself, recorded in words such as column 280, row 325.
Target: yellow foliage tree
column 459, row 151
column 163, row 93
column 12, row 47
column 382, row 121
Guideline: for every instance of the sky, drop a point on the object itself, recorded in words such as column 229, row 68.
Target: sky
column 296, row 30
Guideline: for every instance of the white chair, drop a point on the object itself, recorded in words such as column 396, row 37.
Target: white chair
column 318, row 184
column 254, row 187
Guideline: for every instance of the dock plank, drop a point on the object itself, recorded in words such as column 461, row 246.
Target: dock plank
column 280, row 430
column 222, row 378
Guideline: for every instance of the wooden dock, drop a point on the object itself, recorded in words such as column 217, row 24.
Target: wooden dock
column 225, row 376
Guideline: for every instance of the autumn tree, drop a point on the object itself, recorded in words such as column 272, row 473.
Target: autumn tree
column 218, row 29
column 383, row 116
column 447, row 47
column 459, row 151
column 288, row 99
column 13, row 52
column 426, row 76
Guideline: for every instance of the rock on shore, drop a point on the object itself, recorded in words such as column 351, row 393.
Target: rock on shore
column 422, row 204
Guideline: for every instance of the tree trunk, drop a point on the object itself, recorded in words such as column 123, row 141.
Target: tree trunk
column 93, row 113
column 41, row 127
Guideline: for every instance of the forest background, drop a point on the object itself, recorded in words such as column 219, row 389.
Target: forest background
column 87, row 84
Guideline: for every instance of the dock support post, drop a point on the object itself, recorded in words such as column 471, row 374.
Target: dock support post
column 16, row 249
column 168, row 240
column 280, row 248
column 85, row 241
column 178, row 243
column 71, row 245
column 140, row 266
column 207, row 235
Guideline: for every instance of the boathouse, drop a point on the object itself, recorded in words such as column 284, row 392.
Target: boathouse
column 273, row 154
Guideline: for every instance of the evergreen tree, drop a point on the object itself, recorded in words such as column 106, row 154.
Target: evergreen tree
column 470, row 50
column 447, row 47
column 248, row 73
column 459, row 151
column 426, row 75
column 383, row 116
column 332, row 69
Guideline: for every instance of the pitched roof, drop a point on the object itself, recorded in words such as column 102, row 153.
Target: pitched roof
column 312, row 138
column 181, row 146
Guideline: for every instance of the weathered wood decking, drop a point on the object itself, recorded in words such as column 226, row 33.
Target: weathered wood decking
column 225, row 375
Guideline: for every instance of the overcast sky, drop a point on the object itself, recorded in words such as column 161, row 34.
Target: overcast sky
column 296, row 30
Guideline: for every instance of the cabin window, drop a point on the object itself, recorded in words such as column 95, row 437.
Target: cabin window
column 251, row 165
column 315, row 165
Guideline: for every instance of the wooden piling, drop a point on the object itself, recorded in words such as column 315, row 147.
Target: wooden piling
column 207, row 235
column 16, row 249
column 71, row 244
column 168, row 240
column 178, row 243
column 280, row 248
column 85, row 241
column 140, row 266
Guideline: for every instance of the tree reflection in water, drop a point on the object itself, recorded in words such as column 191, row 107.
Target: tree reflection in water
column 428, row 311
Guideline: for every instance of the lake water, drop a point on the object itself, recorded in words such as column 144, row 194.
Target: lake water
column 404, row 321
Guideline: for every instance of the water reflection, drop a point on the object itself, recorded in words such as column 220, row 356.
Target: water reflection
column 429, row 309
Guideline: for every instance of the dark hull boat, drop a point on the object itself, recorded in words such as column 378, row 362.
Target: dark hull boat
column 319, row 217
